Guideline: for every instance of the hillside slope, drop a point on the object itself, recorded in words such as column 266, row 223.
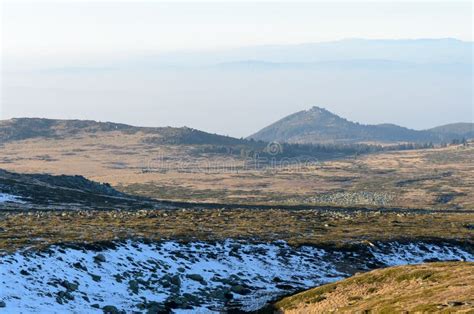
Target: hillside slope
column 27, row 128
column 49, row 192
column 318, row 125
column 431, row 287
column 22, row 130
column 462, row 129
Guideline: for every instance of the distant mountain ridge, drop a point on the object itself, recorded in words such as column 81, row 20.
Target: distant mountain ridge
column 421, row 51
column 27, row 128
column 464, row 129
column 198, row 143
column 314, row 126
column 318, row 125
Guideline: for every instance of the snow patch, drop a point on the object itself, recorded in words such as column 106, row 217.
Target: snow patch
column 4, row 197
column 192, row 277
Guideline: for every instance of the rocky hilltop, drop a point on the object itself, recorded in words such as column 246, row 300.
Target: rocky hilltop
column 318, row 125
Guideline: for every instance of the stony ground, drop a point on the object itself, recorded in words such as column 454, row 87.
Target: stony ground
column 297, row 227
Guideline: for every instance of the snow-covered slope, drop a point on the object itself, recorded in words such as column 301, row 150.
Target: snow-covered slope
column 186, row 277
column 4, row 197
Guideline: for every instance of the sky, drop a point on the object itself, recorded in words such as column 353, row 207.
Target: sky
column 95, row 60
column 92, row 27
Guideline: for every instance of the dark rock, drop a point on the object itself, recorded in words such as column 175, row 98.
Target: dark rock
column 64, row 296
column 172, row 282
column 174, row 289
column 96, row 278
column 2, row 304
column 285, row 287
column 99, row 258
column 70, row 286
column 179, row 255
column 195, row 277
column 155, row 308
column 24, row 272
column 80, row 266
column 175, row 280
column 227, row 281
column 110, row 309
column 191, row 299
column 239, row 289
column 178, row 302
column 221, row 293
column 118, row 278
column 276, row 279
column 133, row 286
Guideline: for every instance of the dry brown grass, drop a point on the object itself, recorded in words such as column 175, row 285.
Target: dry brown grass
column 426, row 288
column 120, row 158
column 299, row 227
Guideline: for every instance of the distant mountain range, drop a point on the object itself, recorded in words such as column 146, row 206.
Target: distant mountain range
column 314, row 126
column 318, row 125
column 420, row 51
column 197, row 143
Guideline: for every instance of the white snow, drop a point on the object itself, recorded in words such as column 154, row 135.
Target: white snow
column 4, row 197
column 410, row 253
column 263, row 267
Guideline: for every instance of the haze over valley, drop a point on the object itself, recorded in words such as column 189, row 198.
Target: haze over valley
column 425, row 84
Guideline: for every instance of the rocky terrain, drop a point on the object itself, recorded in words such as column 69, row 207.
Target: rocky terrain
column 183, row 257
column 151, row 277
column 23, row 192
column 349, row 198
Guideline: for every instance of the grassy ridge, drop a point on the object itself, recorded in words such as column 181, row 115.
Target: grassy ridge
column 433, row 287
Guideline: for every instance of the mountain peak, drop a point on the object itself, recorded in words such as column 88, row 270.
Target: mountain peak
column 317, row 109
column 318, row 125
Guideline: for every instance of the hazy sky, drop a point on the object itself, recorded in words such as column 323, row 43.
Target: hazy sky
column 38, row 37
column 87, row 27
